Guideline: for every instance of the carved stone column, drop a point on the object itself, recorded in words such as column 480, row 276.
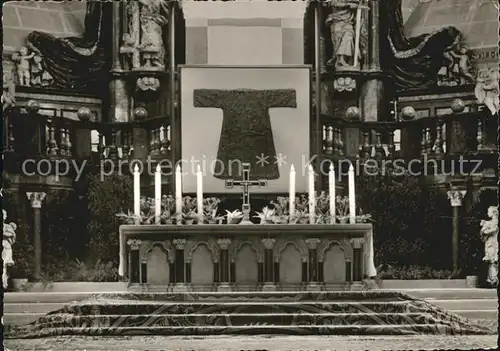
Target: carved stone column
column 224, row 265
column 357, row 283
column 181, row 267
column 312, row 281
column 269, row 278
column 372, row 92
column 36, row 199
column 134, row 261
column 455, row 195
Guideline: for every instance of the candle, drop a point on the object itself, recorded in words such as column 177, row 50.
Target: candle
column 331, row 184
column 137, row 193
column 178, row 193
column 352, row 196
column 292, row 192
column 157, row 194
column 312, row 200
column 199, row 194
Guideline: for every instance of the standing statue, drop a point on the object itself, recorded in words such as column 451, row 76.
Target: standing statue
column 489, row 234
column 23, row 58
column 487, row 89
column 342, row 21
column 9, row 237
column 153, row 17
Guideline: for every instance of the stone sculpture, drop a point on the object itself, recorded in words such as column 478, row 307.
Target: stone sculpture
column 342, row 21
column 487, row 89
column 23, row 58
column 456, row 65
column 9, row 237
column 489, row 234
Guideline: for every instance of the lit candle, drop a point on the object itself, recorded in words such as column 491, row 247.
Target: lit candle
column 178, row 193
column 312, row 200
column 199, row 194
column 331, row 183
column 157, row 194
column 352, row 196
column 292, row 192
column 137, row 193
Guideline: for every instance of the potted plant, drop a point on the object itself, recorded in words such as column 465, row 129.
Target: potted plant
column 267, row 216
column 301, row 216
column 128, row 218
column 234, row 217
column 342, row 208
column 210, row 209
column 189, row 217
column 167, row 209
column 281, row 210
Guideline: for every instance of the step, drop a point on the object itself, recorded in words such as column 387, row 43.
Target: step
column 41, row 307
column 466, row 304
column 237, row 319
column 477, row 314
column 411, row 329
column 444, row 294
column 33, row 297
column 21, row 318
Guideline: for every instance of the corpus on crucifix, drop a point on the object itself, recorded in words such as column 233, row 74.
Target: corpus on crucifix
column 245, row 183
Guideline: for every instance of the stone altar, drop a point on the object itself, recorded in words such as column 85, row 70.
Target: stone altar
column 246, row 258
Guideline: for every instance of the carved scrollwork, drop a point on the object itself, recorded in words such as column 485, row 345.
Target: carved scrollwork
column 299, row 245
column 255, row 245
column 224, row 243
column 193, row 245
column 165, row 245
column 325, row 245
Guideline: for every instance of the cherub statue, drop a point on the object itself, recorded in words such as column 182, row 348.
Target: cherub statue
column 456, row 67
column 9, row 237
column 489, row 234
column 23, row 65
column 487, row 90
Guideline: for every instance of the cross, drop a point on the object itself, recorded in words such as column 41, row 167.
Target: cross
column 245, row 183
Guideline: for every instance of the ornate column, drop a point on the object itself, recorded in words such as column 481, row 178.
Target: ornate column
column 357, row 273
column 36, row 199
column 372, row 92
column 181, row 266
column 134, row 262
column 455, row 195
column 224, row 265
column 119, row 99
column 269, row 272
column 312, row 276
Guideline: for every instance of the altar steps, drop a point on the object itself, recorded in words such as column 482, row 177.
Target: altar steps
column 296, row 313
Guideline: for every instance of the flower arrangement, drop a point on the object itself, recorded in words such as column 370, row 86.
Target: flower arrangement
column 267, row 216
column 189, row 213
column 234, row 217
column 342, row 208
column 210, row 209
column 281, row 210
column 167, row 209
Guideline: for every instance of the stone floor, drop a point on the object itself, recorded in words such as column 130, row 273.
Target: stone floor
column 263, row 342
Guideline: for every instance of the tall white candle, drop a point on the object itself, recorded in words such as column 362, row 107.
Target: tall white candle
column 137, row 191
column 352, row 196
column 178, row 193
column 292, row 192
column 157, row 194
column 312, row 199
column 331, row 184
column 199, row 194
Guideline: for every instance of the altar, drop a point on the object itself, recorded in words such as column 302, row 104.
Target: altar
column 289, row 257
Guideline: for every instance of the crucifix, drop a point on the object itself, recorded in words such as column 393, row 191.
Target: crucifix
column 245, row 183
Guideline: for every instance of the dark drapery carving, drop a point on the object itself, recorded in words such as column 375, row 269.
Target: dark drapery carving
column 413, row 62
column 79, row 62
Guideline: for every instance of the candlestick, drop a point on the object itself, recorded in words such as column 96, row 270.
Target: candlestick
column 331, row 184
column 178, row 193
column 292, row 192
column 312, row 200
column 352, row 196
column 199, row 194
column 157, row 194
column 137, row 193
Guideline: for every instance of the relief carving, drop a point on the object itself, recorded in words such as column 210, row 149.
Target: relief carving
column 30, row 69
column 165, row 245
column 193, row 245
column 487, row 89
column 256, row 247
column 456, row 65
column 298, row 244
column 325, row 245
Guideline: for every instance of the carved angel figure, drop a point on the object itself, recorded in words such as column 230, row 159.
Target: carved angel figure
column 23, row 65
column 487, row 89
column 489, row 233
column 342, row 21
column 456, row 65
